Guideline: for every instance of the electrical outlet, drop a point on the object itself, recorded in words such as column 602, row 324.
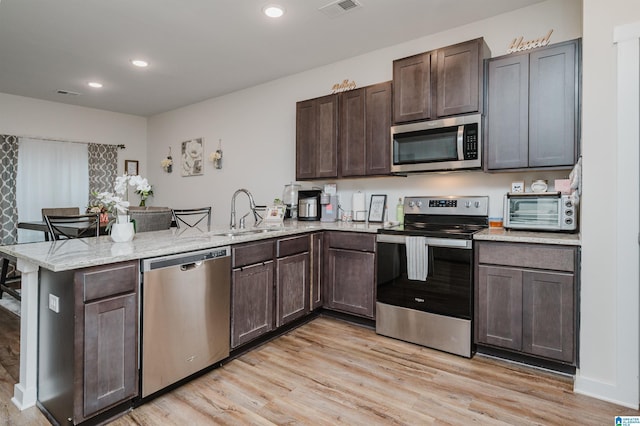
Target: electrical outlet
column 54, row 303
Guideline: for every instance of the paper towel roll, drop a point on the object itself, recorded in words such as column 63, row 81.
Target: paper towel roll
column 359, row 207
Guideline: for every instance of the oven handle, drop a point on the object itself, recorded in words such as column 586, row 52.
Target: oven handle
column 433, row 242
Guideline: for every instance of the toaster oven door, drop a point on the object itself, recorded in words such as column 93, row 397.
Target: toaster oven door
column 533, row 212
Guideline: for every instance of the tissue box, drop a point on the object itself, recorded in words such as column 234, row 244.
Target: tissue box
column 562, row 185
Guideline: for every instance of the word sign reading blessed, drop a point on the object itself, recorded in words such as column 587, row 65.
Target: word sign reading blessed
column 518, row 44
column 343, row 87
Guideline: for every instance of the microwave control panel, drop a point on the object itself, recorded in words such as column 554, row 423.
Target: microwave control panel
column 470, row 143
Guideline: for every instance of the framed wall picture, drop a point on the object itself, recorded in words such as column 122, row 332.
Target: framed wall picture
column 376, row 208
column 192, row 157
column 131, row 167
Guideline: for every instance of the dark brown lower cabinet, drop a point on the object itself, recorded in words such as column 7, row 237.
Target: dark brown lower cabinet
column 349, row 273
column 317, row 242
column 270, row 286
column 526, row 299
column 251, row 302
column 88, row 340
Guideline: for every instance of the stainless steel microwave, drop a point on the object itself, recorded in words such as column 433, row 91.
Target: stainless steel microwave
column 448, row 144
column 546, row 211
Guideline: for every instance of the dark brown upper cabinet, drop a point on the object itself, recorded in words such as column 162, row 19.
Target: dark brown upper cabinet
column 345, row 134
column 440, row 83
column 533, row 109
column 365, row 119
column 317, row 138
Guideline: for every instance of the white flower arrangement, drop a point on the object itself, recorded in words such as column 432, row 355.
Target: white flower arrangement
column 114, row 201
column 215, row 156
column 166, row 164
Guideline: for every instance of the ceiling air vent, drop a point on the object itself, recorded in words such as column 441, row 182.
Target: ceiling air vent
column 67, row 92
column 339, row 7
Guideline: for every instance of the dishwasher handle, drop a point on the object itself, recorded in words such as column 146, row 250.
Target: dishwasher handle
column 189, row 266
column 185, row 259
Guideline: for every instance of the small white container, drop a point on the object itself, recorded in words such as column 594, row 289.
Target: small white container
column 539, row 185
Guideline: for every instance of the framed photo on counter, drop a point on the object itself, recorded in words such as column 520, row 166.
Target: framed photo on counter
column 376, row 208
column 131, row 167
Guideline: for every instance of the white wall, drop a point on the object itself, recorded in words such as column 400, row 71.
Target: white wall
column 608, row 337
column 257, row 125
column 22, row 116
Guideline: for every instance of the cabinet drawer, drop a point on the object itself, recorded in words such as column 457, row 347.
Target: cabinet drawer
column 522, row 255
column 105, row 281
column 352, row 241
column 251, row 253
column 293, row 245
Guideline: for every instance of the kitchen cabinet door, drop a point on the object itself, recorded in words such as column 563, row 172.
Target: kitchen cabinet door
column 412, row 87
column 110, row 364
column 378, row 123
column 507, row 134
column 365, row 119
column 251, row 302
column 553, row 106
column 353, row 133
column 500, row 307
column 548, row 315
column 317, row 138
column 349, row 273
column 459, row 78
column 292, row 288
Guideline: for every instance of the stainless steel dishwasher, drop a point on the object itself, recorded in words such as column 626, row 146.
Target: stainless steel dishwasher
column 185, row 315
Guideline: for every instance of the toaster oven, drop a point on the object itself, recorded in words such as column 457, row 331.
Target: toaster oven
column 546, row 211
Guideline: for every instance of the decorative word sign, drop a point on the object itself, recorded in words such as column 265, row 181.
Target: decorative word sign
column 344, row 86
column 518, row 44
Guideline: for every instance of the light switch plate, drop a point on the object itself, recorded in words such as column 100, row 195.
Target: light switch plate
column 54, row 303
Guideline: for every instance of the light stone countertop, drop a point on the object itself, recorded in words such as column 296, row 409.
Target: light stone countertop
column 85, row 252
column 509, row 235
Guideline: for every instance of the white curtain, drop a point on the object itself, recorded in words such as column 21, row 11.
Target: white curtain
column 50, row 174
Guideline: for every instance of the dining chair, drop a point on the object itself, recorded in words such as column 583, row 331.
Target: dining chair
column 192, row 217
column 151, row 219
column 77, row 226
column 58, row 211
column 10, row 279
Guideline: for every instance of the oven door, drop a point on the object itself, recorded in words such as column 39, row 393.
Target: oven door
column 448, row 288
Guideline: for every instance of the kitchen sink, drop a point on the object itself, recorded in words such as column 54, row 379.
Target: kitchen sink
column 241, row 232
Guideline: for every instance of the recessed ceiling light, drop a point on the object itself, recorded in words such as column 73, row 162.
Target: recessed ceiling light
column 95, row 84
column 273, row 11
column 140, row 63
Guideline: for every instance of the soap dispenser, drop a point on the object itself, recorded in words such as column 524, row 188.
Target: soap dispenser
column 400, row 212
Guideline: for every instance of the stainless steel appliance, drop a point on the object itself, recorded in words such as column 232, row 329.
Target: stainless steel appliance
column 425, row 272
column 329, row 204
column 448, row 144
column 546, row 211
column 185, row 315
column 309, row 204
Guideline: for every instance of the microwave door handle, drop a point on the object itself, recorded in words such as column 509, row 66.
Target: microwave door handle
column 460, row 142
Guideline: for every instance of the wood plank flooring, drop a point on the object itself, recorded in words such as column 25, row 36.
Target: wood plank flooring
column 331, row 372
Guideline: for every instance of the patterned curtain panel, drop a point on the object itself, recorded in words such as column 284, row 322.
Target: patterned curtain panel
column 8, row 174
column 103, row 167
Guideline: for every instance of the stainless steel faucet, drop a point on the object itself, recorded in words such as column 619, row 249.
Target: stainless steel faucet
column 252, row 206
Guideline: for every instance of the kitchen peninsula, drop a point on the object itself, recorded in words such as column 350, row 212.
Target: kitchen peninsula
column 59, row 257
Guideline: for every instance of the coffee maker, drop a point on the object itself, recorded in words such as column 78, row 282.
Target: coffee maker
column 309, row 204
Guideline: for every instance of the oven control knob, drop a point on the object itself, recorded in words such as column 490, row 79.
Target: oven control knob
column 476, row 204
column 467, row 204
column 411, row 204
column 568, row 221
column 418, row 204
column 569, row 212
column 568, row 203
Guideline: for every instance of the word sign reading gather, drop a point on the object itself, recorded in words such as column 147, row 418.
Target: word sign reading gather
column 343, row 87
column 518, row 45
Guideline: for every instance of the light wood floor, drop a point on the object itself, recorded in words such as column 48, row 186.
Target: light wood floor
column 330, row 372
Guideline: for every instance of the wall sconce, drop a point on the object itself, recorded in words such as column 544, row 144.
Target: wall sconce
column 216, row 157
column 167, row 163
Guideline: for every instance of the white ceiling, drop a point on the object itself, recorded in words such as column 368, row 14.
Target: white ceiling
column 197, row 49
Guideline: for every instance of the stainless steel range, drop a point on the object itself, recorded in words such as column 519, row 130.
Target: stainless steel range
column 425, row 272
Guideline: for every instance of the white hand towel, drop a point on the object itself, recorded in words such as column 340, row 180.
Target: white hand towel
column 417, row 258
